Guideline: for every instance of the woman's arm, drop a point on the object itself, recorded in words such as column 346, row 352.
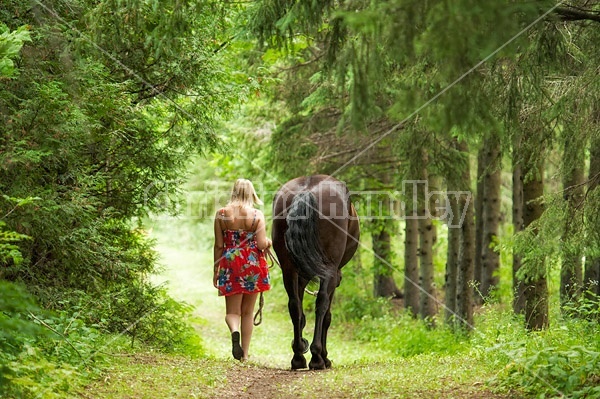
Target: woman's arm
column 218, row 249
column 262, row 242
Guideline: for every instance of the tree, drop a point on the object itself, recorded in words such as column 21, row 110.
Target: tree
column 384, row 228
column 534, row 271
column 92, row 130
column 478, row 206
column 427, row 300
column 411, row 261
column 490, row 212
column 466, row 254
column 571, row 274
column 518, row 223
column 452, row 259
column 591, row 281
column 384, row 284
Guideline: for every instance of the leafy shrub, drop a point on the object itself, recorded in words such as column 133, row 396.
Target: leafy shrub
column 563, row 361
column 405, row 336
column 42, row 354
column 586, row 306
column 358, row 307
column 146, row 312
column 550, row 372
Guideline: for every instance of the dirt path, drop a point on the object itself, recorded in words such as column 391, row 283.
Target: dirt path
column 253, row 381
column 246, row 381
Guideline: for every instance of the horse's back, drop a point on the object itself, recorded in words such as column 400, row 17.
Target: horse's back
column 331, row 194
column 338, row 223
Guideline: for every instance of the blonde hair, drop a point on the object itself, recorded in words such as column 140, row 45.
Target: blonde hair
column 243, row 194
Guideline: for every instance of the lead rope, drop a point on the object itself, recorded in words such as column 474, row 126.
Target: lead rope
column 261, row 301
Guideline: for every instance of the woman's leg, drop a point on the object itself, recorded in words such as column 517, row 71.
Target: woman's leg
column 233, row 311
column 233, row 306
column 247, row 307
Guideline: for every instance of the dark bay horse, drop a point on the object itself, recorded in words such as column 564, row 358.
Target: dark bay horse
column 315, row 233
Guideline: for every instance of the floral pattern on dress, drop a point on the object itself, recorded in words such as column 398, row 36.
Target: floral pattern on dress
column 243, row 268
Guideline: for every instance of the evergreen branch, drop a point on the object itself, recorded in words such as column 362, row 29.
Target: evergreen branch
column 589, row 182
column 571, row 13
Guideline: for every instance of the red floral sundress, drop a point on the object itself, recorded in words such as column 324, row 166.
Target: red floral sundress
column 243, row 268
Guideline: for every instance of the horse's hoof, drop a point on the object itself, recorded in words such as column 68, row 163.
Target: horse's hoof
column 316, row 365
column 327, row 363
column 298, row 362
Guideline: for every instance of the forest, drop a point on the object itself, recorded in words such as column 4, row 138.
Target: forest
column 467, row 132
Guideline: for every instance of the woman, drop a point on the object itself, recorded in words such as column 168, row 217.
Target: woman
column 240, row 267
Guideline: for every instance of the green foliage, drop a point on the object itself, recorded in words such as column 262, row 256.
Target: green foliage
column 110, row 101
column 538, row 242
column 404, row 336
column 382, row 323
column 9, row 251
column 42, row 354
column 15, row 303
column 148, row 313
column 548, row 367
column 560, row 361
column 554, row 372
column 585, row 306
column 10, row 45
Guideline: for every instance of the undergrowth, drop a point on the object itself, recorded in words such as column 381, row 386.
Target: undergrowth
column 52, row 353
column 562, row 361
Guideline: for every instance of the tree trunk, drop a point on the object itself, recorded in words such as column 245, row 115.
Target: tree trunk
column 384, row 284
column 436, row 202
column 591, row 279
column 571, row 279
column 411, row 262
column 478, row 298
column 536, row 287
column 466, row 256
column 427, row 304
column 451, row 277
column 491, row 213
column 517, row 220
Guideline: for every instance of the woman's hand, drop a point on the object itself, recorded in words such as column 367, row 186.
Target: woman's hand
column 216, row 275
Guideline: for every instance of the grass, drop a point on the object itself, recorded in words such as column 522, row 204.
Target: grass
column 155, row 375
column 376, row 351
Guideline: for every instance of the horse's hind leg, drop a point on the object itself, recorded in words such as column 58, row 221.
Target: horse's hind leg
column 295, row 289
column 326, row 324
column 318, row 350
column 327, row 320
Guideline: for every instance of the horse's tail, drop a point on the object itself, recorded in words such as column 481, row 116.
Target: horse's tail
column 302, row 238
